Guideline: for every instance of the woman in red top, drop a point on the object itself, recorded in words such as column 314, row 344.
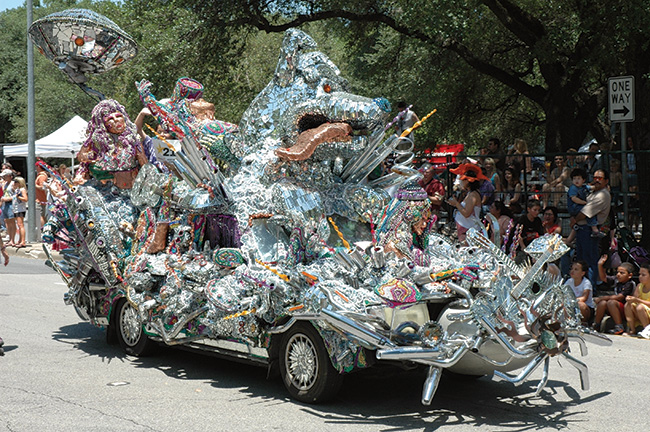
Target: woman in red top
column 550, row 222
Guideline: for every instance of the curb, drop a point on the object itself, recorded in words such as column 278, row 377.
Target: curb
column 33, row 251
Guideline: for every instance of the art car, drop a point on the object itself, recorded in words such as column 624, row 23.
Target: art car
column 265, row 242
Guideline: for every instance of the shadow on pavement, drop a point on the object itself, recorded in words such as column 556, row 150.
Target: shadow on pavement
column 386, row 397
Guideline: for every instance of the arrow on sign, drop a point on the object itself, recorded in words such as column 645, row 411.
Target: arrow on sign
column 623, row 111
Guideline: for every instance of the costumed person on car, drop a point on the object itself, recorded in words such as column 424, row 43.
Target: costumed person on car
column 113, row 149
column 407, row 223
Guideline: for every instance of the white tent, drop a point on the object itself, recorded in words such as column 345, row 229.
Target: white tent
column 64, row 142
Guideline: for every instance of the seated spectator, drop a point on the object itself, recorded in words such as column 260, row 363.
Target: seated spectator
column 614, row 305
column 582, row 288
column 511, row 194
column 491, row 172
column 434, row 188
column 591, row 163
column 637, row 305
column 571, row 159
column 520, row 159
column 550, row 222
column 496, row 153
column 558, row 181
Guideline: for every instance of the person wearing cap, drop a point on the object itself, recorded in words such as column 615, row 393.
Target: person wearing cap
column 469, row 210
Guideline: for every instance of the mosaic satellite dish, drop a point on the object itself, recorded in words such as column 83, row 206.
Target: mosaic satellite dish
column 82, row 42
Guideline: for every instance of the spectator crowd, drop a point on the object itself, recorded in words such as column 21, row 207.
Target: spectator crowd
column 514, row 198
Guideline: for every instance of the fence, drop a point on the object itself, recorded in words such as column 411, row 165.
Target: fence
column 539, row 171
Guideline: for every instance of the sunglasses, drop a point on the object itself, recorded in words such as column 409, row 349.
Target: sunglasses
column 598, row 177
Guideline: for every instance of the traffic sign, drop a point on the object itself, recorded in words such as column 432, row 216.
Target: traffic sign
column 621, row 99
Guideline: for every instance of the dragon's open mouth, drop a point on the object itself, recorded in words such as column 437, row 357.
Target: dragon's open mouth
column 316, row 129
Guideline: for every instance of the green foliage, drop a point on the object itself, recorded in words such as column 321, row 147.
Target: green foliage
column 556, row 61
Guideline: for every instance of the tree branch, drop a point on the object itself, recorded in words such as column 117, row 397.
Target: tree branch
column 535, row 93
column 522, row 24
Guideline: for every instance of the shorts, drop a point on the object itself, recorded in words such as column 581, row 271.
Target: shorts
column 41, row 208
column 621, row 308
column 8, row 211
column 20, row 214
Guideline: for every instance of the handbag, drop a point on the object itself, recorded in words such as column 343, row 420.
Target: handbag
column 614, row 259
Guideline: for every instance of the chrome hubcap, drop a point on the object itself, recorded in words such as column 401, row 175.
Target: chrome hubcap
column 301, row 362
column 130, row 326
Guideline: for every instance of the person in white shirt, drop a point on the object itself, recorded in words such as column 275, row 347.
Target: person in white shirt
column 408, row 119
column 582, row 289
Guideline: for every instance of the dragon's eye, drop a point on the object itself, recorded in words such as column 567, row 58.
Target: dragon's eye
column 327, row 88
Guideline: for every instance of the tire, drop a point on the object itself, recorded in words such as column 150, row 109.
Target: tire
column 305, row 365
column 129, row 331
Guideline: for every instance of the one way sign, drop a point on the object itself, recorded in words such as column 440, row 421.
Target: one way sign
column 621, row 99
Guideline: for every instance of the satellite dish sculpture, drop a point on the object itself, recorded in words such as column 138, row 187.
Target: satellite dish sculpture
column 82, row 42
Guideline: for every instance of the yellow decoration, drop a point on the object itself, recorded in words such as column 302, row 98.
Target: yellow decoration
column 417, row 124
column 160, row 137
column 238, row 314
column 284, row 277
column 445, row 274
column 345, row 243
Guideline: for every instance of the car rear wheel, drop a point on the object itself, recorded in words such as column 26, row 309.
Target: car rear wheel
column 305, row 366
column 130, row 335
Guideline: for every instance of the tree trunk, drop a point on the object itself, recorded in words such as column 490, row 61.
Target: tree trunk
column 567, row 121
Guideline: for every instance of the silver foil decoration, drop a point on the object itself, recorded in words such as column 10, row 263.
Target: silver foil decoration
column 291, row 240
column 82, row 42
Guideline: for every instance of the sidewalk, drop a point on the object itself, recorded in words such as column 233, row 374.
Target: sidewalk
column 32, row 250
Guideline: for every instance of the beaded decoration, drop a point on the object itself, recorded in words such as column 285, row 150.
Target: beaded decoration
column 229, row 258
column 397, row 292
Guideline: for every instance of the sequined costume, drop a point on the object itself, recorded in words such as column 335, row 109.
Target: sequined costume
column 397, row 227
column 108, row 156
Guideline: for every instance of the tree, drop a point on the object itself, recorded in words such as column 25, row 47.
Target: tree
column 556, row 55
column 549, row 52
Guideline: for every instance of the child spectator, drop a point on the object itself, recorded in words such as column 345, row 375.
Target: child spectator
column 19, row 203
column 614, row 304
column 581, row 287
column 576, row 200
column 637, row 306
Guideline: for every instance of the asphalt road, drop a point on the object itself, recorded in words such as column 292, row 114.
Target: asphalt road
column 59, row 374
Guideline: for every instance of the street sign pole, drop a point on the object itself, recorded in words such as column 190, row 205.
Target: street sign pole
column 621, row 110
column 34, row 221
column 624, row 182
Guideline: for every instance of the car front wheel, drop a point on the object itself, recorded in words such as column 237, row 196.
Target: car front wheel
column 305, row 365
column 130, row 335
